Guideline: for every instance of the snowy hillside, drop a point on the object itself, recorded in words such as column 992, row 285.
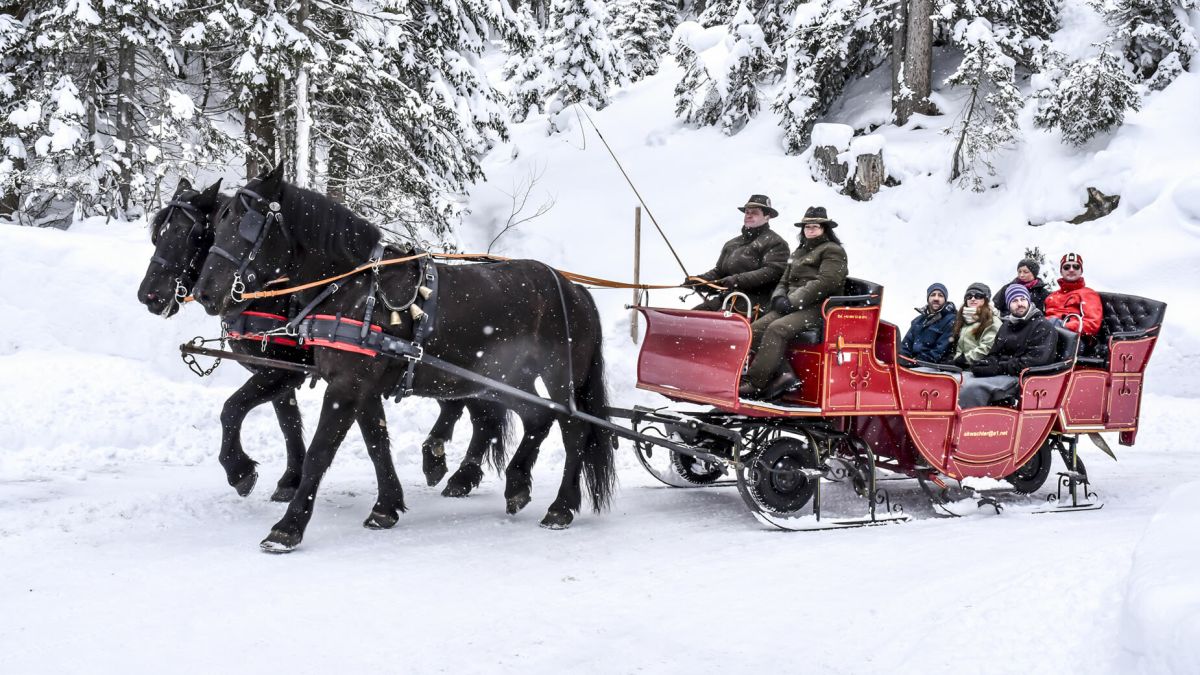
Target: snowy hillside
column 122, row 549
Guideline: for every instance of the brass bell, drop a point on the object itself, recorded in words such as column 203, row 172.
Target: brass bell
column 395, row 321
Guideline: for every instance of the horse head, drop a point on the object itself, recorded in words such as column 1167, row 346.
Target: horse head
column 181, row 234
column 251, row 244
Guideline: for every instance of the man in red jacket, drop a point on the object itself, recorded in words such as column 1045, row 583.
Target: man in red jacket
column 1074, row 299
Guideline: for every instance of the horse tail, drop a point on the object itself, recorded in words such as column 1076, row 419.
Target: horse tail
column 591, row 397
column 498, row 457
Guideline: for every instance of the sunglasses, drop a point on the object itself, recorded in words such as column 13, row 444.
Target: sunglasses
column 1072, row 266
column 975, row 295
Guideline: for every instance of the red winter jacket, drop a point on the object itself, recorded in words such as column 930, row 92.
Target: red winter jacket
column 1075, row 298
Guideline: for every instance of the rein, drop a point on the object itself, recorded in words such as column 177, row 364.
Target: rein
column 595, row 282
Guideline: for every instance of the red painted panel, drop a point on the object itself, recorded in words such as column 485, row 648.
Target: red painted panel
column 854, row 325
column 1129, row 356
column 1083, row 403
column 806, row 362
column 885, row 343
column 1124, row 401
column 926, row 391
column 695, row 356
column 986, row 437
column 1035, row 427
column 931, row 435
column 1043, row 392
column 842, row 380
column 878, row 389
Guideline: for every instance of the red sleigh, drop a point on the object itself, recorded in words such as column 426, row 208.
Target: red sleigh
column 862, row 408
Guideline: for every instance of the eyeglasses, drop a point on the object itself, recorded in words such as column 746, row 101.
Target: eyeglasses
column 1072, row 266
column 976, row 295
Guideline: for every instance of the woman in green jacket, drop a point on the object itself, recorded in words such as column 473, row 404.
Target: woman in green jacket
column 817, row 270
column 976, row 326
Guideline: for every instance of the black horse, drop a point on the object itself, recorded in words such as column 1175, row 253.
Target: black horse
column 182, row 234
column 514, row 322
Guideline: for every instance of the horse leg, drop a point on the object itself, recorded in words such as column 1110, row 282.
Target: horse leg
column 390, row 503
column 338, row 412
column 562, row 510
column 292, row 426
column 433, row 450
column 261, row 387
column 518, row 480
column 487, row 431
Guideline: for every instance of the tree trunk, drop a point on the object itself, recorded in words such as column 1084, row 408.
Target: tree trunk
column 261, row 127
column 899, row 41
column 911, row 91
column 868, row 177
column 831, row 169
column 303, row 119
column 126, row 82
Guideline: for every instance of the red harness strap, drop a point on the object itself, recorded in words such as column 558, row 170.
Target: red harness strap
column 251, row 325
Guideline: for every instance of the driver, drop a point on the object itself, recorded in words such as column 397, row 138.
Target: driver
column 750, row 263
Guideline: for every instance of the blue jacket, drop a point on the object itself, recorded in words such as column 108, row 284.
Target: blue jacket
column 928, row 337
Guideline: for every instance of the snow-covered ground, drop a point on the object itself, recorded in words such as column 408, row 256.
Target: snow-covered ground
column 123, row 550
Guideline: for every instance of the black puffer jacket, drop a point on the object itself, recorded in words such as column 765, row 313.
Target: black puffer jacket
column 753, row 262
column 1020, row 344
column 1037, row 294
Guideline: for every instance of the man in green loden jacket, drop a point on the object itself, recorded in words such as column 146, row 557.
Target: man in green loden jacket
column 817, row 270
column 751, row 262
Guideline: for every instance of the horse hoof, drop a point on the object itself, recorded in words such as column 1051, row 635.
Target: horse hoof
column 433, row 461
column 435, row 474
column 516, row 503
column 380, row 521
column 283, row 494
column 455, row 490
column 279, row 542
column 245, row 485
column 557, row 520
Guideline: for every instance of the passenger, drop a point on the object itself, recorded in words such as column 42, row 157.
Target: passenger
column 975, row 328
column 1026, row 339
column 928, row 338
column 751, row 262
column 816, row 271
column 1027, row 276
column 1074, row 299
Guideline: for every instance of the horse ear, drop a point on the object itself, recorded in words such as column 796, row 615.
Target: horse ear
column 272, row 180
column 208, row 198
column 184, row 185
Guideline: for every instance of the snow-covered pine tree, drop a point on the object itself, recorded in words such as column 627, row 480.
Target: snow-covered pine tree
column 750, row 63
column 1157, row 36
column 582, row 62
column 643, row 29
column 394, row 154
column 1090, row 99
column 104, row 111
column 989, row 119
column 697, row 97
column 826, row 49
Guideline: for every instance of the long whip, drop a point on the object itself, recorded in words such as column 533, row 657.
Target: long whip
column 634, row 188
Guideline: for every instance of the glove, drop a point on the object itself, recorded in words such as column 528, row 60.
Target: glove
column 728, row 283
column 961, row 362
column 781, row 305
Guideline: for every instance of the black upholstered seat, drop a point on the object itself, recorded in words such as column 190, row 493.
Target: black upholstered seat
column 856, row 293
column 1125, row 316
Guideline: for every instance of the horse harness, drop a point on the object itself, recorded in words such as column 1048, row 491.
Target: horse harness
column 193, row 260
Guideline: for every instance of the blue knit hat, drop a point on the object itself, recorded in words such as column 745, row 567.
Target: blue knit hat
column 1016, row 291
column 937, row 286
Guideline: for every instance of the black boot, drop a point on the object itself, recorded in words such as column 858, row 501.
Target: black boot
column 785, row 380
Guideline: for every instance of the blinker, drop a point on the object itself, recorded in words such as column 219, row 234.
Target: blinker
column 251, row 225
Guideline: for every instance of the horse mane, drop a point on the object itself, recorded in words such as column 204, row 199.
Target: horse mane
column 327, row 227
